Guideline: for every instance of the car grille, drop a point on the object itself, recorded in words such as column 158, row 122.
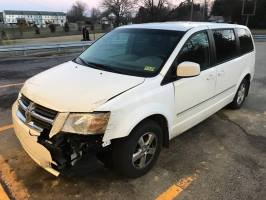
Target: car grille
column 35, row 115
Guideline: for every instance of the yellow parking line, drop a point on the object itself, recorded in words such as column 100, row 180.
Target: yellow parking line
column 10, row 85
column 176, row 189
column 6, row 127
column 3, row 195
column 9, row 177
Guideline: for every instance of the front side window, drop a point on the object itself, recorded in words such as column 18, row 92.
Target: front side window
column 246, row 44
column 197, row 50
column 137, row 52
column 225, row 43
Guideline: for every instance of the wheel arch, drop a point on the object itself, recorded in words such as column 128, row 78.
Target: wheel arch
column 161, row 120
column 248, row 78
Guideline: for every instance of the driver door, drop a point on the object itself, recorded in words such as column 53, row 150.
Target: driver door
column 192, row 94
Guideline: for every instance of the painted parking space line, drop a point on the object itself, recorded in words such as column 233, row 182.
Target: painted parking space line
column 11, row 85
column 16, row 188
column 176, row 189
column 6, row 127
column 3, row 194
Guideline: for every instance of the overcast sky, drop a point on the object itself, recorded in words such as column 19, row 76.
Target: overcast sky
column 50, row 5
column 43, row 5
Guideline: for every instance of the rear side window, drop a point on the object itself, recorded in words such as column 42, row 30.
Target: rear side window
column 246, row 44
column 225, row 43
column 197, row 50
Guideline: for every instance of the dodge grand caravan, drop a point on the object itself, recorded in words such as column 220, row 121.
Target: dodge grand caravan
column 131, row 92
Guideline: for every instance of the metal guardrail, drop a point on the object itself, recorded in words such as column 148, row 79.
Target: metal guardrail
column 58, row 46
column 259, row 37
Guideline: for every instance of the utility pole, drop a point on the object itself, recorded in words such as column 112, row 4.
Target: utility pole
column 152, row 11
column 192, row 10
column 255, row 8
column 205, row 10
column 243, row 7
column 248, row 14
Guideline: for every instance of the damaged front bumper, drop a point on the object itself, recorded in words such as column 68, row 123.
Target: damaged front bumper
column 58, row 153
column 66, row 148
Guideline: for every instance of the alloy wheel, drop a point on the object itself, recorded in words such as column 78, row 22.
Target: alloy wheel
column 145, row 150
column 241, row 94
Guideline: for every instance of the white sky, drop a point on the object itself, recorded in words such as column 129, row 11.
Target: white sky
column 43, row 5
column 52, row 5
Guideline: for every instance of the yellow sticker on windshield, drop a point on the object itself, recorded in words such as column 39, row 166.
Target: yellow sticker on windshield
column 149, row 68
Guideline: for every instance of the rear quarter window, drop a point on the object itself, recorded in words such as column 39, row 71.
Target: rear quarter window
column 225, row 44
column 245, row 40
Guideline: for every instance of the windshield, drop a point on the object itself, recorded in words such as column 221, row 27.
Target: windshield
column 137, row 52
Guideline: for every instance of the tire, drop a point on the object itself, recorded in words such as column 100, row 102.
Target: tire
column 241, row 95
column 144, row 143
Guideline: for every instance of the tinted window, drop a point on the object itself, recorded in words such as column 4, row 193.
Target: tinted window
column 225, row 43
column 140, row 52
column 246, row 44
column 197, row 50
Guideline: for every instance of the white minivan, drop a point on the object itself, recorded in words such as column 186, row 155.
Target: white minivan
column 131, row 92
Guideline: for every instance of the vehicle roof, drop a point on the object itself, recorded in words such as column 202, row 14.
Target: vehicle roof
column 181, row 25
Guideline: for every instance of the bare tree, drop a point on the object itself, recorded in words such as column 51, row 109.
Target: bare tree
column 77, row 11
column 95, row 15
column 157, row 9
column 120, row 8
column 153, row 3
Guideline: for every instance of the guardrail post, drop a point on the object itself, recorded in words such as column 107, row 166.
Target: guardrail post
column 58, row 48
column 25, row 51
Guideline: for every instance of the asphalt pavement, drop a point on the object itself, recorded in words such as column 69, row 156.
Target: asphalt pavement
column 223, row 157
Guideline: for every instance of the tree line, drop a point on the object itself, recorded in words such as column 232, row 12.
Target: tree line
column 141, row 11
column 232, row 10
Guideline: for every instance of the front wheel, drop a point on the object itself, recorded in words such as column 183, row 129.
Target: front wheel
column 241, row 95
column 135, row 155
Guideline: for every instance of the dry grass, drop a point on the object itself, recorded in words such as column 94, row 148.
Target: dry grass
column 70, row 38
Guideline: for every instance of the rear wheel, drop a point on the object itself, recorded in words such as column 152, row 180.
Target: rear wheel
column 241, row 95
column 135, row 155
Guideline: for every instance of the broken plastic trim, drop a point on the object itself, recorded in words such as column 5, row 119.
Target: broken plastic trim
column 67, row 148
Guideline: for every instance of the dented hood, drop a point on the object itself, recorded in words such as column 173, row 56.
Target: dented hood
column 71, row 87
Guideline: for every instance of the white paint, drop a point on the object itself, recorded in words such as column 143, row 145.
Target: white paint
column 180, row 26
column 70, row 87
column 35, row 150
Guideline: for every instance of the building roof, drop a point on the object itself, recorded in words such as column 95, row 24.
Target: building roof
column 181, row 26
column 23, row 12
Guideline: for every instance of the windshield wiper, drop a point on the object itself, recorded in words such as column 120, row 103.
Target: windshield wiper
column 85, row 63
column 99, row 66
column 104, row 67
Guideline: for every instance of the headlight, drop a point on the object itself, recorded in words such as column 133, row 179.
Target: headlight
column 90, row 123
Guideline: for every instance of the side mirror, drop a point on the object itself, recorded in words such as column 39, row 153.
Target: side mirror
column 188, row 69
